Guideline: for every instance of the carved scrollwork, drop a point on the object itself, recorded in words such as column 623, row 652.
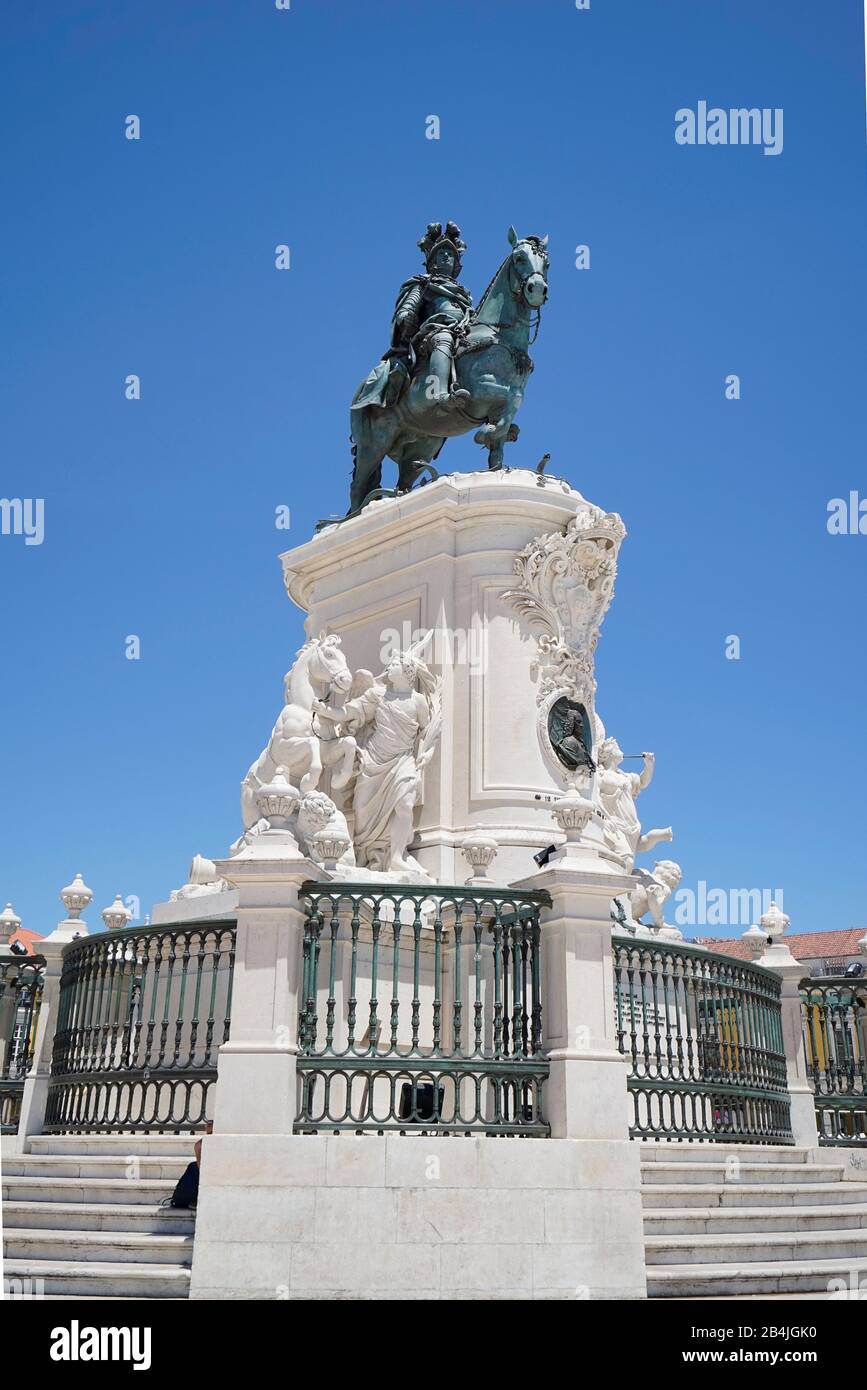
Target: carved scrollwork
column 565, row 584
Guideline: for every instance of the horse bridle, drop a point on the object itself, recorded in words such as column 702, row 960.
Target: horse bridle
column 323, row 738
column 520, row 291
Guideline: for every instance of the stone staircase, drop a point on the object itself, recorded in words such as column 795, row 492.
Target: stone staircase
column 81, row 1216
column 746, row 1221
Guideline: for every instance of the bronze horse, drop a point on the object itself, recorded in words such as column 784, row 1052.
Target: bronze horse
column 492, row 365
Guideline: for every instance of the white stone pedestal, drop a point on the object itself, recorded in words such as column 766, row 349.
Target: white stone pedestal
column 382, row 1216
column 441, row 558
column 256, row 1085
column 585, row 1094
column 417, row 1217
column 34, row 1099
column 778, row 957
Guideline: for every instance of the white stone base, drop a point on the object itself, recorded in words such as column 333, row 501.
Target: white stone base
column 854, row 1160
column 417, row 1217
column 204, row 907
column 439, row 560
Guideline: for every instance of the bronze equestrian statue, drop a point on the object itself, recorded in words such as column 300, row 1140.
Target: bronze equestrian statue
column 450, row 368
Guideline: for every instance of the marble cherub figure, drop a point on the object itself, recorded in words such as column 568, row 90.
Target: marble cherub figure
column 653, row 890
column 618, row 791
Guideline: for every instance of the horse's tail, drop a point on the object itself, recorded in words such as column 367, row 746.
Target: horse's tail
column 359, row 423
column 366, row 442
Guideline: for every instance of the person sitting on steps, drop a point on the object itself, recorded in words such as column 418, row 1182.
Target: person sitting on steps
column 186, row 1193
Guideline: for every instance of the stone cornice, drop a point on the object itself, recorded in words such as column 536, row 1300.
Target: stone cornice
column 464, row 499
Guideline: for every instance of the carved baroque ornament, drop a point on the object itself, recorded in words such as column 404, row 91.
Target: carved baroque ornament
column 565, row 585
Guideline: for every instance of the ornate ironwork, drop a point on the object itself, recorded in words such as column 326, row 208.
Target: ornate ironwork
column 703, row 1034
column 21, row 980
column 835, row 1046
column 421, row 1007
column 141, row 1015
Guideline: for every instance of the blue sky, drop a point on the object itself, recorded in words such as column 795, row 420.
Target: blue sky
column 307, row 127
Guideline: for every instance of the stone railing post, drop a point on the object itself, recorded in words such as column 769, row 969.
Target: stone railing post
column 256, row 1070
column 9, row 924
column 34, row 1100
column 586, row 1098
column 586, row 1093
column 778, row 957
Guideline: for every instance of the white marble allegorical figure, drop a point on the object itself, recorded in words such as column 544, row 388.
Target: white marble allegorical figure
column 617, row 792
column 397, row 719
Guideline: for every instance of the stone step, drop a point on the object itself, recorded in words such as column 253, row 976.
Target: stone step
column 753, row 1279
column 102, row 1298
column 739, row 1248
column 740, row 1194
column 688, row 1221
column 155, row 1145
column 75, row 1278
column 115, row 1247
column 94, row 1166
column 148, row 1191
column 706, row 1171
column 815, row 1297
column 97, row 1216
column 719, row 1153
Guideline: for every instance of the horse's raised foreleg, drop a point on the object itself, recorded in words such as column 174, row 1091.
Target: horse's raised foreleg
column 492, row 438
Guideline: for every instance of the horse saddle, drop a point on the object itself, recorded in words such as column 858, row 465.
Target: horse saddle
column 476, row 337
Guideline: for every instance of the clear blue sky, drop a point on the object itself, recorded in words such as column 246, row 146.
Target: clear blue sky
column 307, row 127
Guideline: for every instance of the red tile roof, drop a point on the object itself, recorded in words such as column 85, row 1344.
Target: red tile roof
column 807, row 945
column 26, row 938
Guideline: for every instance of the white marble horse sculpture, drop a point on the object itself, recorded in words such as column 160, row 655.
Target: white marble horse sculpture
column 296, row 743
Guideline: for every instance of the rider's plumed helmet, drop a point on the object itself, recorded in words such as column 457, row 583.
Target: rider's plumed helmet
column 435, row 237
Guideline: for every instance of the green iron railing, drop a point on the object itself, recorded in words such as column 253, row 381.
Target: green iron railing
column 21, row 981
column 421, row 1010
column 835, row 1046
column 703, row 1035
column 141, row 1015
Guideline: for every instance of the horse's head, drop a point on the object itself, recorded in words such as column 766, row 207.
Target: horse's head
column 325, row 663
column 528, row 269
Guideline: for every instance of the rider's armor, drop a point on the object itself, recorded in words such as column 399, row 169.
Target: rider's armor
column 431, row 311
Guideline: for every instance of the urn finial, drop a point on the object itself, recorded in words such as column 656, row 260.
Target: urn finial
column 76, row 897
column 774, row 922
column 756, row 940
column 117, row 915
column 278, row 800
column 9, row 924
column 329, row 844
column 572, row 811
column 480, row 850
